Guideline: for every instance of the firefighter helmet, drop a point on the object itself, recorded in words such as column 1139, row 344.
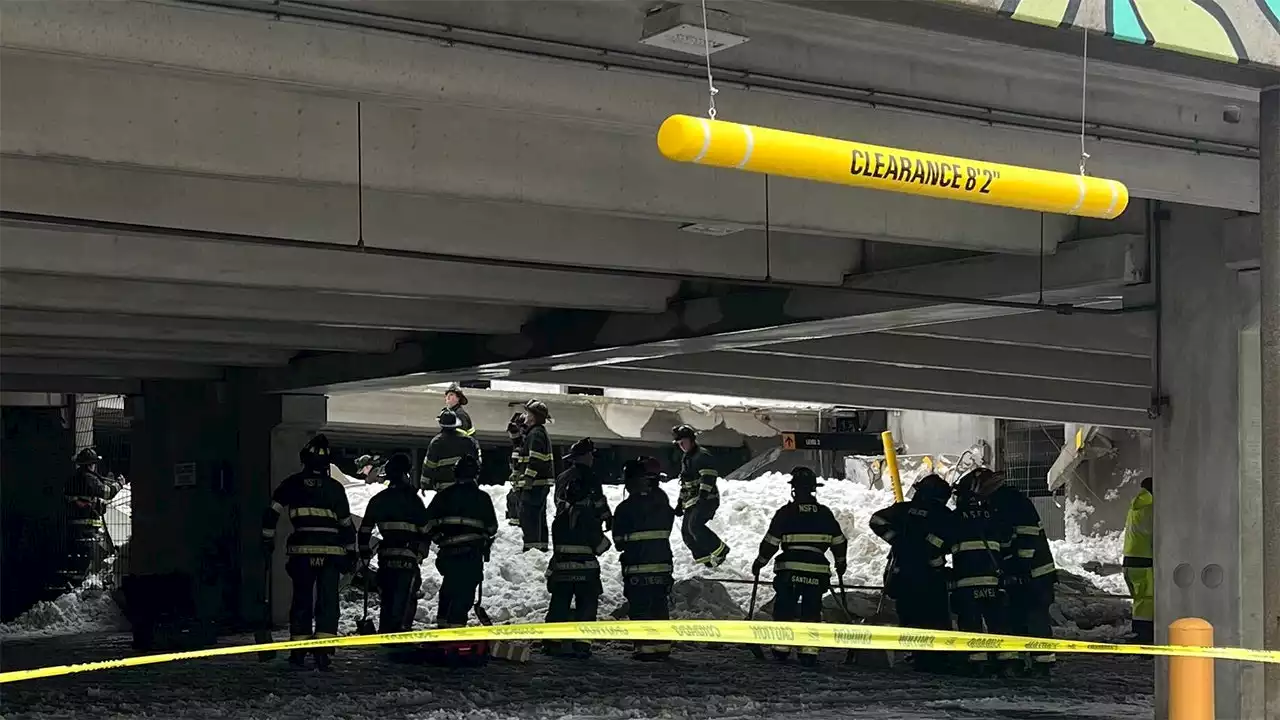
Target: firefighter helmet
column 448, row 420
column 456, row 389
column 585, row 446
column 981, row 481
column 804, row 479
column 315, row 454
column 642, row 467
column 683, row 432
column 466, row 469
column 932, row 485
column 537, row 408
column 88, row 456
column 397, row 468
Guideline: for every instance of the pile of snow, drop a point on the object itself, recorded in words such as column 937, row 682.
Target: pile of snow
column 515, row 582
column 88, row 609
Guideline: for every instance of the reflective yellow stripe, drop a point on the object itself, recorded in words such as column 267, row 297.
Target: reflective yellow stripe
column 397, row 552
column 540, row 456
column 449, row 461
column 312, row 512
column 645, row 535
column 1027, row 529
column 804, row 567
column 772, row 540
column 650, row 568
column 88, row 521
column 709, row 472
column 331, row 530
column 938, row 562
column 540, row 482
column 934, row 540
column 574, row 549
column 530, row 472
column 315, row 550
column 277, row 507
column 806, row 538
column 806, row 548
column 838, row 539
column 464, row 538
column 456, row 520
column 468, row 432
column 429, row 464
column 268, row 532
column 396, row 525
column 1043, row 570
column 980, row 581
column 573, row 565
column 970, row 545
column 84, row 498
column 705, row 487
column 689, row 503
column 877, row 520
column 1026, row 553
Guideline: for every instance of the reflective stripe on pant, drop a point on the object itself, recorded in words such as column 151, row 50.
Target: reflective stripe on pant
column 648, row 598
column 980, row 609
column 1029, row 613
column 533, row 517
column 573, row 601
column 315, row 596
column 396, row 589
column 798, row 601
column 705, row 545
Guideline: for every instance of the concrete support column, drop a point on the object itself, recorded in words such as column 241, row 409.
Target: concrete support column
column 1269, row 197
column 1205, row 523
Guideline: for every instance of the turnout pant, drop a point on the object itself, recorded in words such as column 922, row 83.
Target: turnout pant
column 513, row 506
column 398, row 581
column 798, row 598
column 533, row 517
column 981, row 609
column 1029, row 603
column 315, row 597
column 1142, row 585
column 921, row 600
column 460, row 576
column 573, row 599
column 707, row 547
column 648, row 599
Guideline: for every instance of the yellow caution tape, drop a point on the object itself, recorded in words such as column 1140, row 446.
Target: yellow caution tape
column 810, row 157
column 869, row 637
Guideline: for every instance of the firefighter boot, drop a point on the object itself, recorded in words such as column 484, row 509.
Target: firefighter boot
column 298, row 658
column 324, row 661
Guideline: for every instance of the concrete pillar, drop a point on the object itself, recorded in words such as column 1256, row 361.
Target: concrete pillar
column 1203, row 500
column 206, row 456
column 1269, row 165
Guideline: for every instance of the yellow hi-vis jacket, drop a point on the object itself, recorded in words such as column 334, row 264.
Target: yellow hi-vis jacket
column 1138, row 531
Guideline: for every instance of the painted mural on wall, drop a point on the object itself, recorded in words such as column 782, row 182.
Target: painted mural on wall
column 1236, row 31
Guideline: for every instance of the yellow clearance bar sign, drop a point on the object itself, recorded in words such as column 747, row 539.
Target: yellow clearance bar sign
column 870, row 637
column 809, row 157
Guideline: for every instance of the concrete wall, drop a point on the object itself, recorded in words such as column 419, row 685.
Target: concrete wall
column 1203, row 566
column 937, row 433
column 1107, row 481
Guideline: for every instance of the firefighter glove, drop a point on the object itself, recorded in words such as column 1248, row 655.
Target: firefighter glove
column 757, row 566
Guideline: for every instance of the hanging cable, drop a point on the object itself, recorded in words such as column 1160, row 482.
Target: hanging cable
column 768, row 231
column 1084, row 93
column 359, row 175
column 706, row 54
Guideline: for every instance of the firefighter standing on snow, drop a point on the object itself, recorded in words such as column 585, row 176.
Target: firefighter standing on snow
column 805, row 530
column 916, row 575
column 85, row 497
column 538, row 475
column 444, row 451
column 399, row 516
column 1029, row 570
column 573, row 575
column 642, row 533
column 455, row 399
column 515, row 431
column 321, row 547
column 976, row 557
column 581, row 458
column 461, row 520
column 699, row 499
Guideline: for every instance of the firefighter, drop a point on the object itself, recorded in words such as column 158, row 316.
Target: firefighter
column 444, row 451
column 1139, row 570
column 573, row 575
column 538, row 476
column 515, row 431
column 455, row 400
column 976, row 554
column 918, row 532
column 1029, row 570
column 399, row 516
column 805, row 530
column 581, row 458
column 699, row 499
column 462, row 522
column 642, row 533
column 84, row 496
column 321, row 547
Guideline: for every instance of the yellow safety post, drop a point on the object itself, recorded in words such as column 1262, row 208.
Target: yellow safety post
column 1191, row 678
column 810, row 157
column 891, row 459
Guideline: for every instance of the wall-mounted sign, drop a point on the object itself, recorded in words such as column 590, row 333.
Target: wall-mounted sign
column 184, row 475
column 809, row 157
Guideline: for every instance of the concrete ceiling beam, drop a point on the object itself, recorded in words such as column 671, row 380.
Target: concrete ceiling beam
column 125, row 350
column 1128, row 334
column 108, row 368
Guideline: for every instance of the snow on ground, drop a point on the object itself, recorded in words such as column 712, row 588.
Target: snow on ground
column 88, row 609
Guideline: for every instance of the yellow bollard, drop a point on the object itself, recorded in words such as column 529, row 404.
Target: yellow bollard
column 1191, row 678
column 891, row 459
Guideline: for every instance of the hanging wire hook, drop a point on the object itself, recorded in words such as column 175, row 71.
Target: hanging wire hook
column 706, row 54
column 1084, row 91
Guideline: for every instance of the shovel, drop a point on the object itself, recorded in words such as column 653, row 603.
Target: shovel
column 364, row 626
column 481, row 614
column 262, row 635
column 756, row 650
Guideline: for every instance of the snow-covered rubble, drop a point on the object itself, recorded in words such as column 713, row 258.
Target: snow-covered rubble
column 88, row 609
